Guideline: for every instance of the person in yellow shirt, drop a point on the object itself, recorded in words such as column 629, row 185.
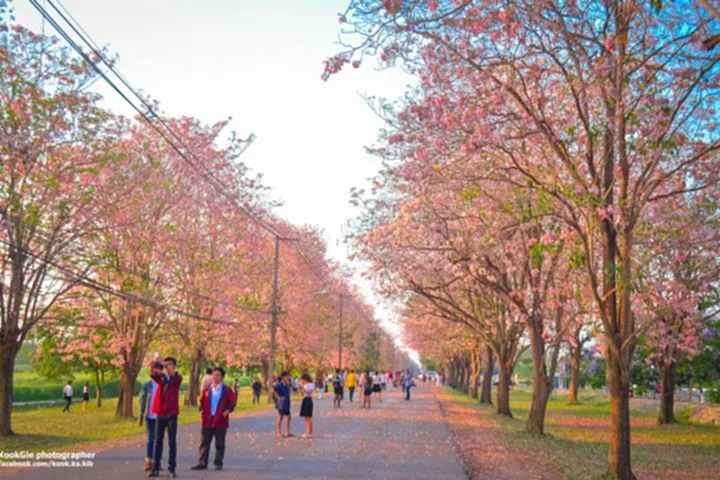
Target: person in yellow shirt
column 351, row 383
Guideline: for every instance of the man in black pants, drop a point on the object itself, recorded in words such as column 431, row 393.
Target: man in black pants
column 216, row 403
column 257, row 390
column 169, row 408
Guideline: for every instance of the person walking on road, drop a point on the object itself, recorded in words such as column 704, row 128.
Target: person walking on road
column 320, row 386
column 408, row 384
column 307, row 388
column 351, row 383
column 362, row 380
column 148, row 414
column 367, row 389
column 216, row 404
column 67, row 395
column 256, row 389
column 282, row 392
column 236, row 387
column 338, row 389
column 168, row 408
column 376, row 379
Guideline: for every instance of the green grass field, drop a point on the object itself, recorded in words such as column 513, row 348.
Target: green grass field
column 29, row 387
column 577, row 437
column 45, row 428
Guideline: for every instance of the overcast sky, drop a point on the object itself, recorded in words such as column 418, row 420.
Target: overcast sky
column 259, row 63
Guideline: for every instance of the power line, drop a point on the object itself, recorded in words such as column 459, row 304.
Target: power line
column 208, row 176
column 81, row 251
column 151, row 114
column 94, row 284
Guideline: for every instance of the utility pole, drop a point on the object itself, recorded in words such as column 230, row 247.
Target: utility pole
column 273, row 319
column 340, row 337
column 274, row 312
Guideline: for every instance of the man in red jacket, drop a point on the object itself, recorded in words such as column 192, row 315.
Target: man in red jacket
column 216, row 403
column 167, row 406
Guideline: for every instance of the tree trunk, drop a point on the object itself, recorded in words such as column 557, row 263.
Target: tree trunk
column 619, row 451
column 98, row 388
column 668, row 373
column 464, row 378
column 541, row 392
column 690, row 391
column 7, row 370
column 575, row 360
column 265, row 373
column 541, row 385
column 486, row 392
column 503, row 389
column 118, row 407
column 475, row 371
column 125, row 403
column 193, row 391
column 461, row 377
column 451, row 380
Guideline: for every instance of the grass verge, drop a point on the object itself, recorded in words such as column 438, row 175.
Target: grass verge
column 47, row 428
column 577, row 436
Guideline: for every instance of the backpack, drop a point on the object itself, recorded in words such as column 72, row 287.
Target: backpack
column 338, row 382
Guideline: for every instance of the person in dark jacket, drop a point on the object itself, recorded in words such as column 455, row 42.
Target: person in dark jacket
column 168, row 407
column 147, row 415
column 216, row 403
column 256, row 389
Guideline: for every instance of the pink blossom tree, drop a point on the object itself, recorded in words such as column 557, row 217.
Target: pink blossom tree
column 605, row 107
column 57, row 147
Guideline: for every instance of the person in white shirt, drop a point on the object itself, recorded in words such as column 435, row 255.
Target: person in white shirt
column 376, row 382
column 67, row 395
column 307, row 387
column 148, row 412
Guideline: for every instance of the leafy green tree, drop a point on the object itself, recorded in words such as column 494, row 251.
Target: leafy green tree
column 48, row 364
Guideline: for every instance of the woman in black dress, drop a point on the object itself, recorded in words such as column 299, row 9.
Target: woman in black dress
column 307, row 387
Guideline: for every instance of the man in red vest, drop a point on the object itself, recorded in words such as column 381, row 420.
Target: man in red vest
column 167, row 406
column 216, row 403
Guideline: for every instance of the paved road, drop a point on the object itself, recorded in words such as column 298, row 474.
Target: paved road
column 394, row 440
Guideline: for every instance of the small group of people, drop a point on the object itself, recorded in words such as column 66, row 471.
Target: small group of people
column 370, row 383
column 282, row 390
column 68, row 395
column 159, row 409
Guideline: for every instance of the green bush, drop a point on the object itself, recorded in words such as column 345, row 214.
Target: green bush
column 713, row 396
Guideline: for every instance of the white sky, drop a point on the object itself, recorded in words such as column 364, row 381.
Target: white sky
column 259, row 63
